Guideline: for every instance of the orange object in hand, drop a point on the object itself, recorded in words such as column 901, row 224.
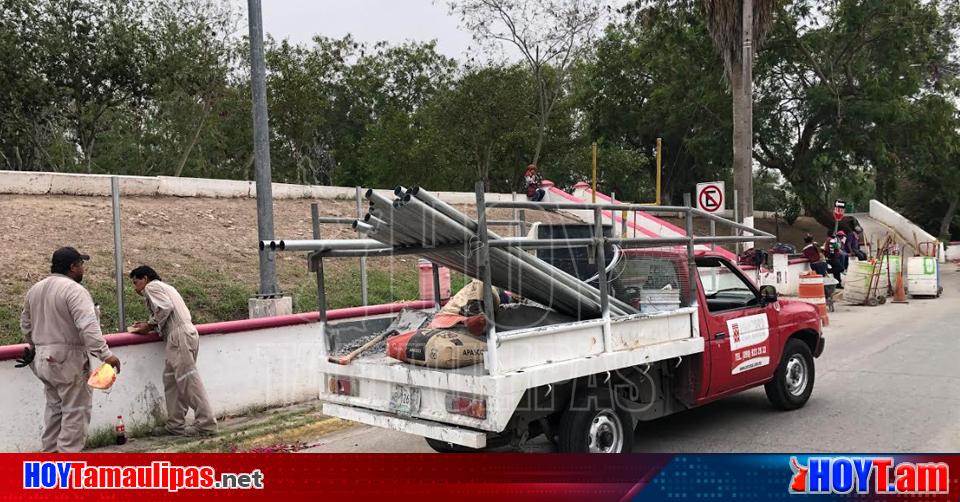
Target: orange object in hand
column 103, row 377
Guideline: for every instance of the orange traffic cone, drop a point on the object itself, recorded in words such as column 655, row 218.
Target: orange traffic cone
column 900, row 296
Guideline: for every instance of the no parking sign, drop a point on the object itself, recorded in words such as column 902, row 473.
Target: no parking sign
column 710, row 196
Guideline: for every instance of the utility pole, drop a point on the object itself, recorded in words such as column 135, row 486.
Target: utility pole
column 269, row 301
column 745, row 182
column 261, row 149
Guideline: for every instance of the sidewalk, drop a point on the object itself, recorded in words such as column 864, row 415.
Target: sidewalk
column 282, row 429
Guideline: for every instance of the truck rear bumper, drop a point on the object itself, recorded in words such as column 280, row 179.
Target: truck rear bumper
column 433, row 430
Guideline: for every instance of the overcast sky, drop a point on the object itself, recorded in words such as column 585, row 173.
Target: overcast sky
column 395, row 21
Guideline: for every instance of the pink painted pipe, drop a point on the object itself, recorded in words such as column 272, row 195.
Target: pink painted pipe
column 10, row 352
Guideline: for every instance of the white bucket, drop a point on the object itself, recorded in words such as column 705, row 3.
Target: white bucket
column 659, row 300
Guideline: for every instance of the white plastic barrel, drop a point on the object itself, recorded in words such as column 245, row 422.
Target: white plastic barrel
column 857, row 281
column 923, row 276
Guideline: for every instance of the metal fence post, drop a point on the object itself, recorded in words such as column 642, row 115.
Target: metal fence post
column 436, row 285
column 363, row 259
column 692, row 278
column 736, row 219
column 523, row 222
column 118, row 253
column 317, row 264
column 484, row 265
column 601, row 259
column 713, row 233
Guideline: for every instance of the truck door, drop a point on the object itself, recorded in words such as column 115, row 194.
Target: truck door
column 742, row 339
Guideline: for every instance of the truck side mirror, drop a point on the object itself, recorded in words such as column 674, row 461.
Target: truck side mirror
column 768, row 294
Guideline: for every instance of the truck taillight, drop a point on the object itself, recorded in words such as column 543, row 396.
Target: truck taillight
column 341, row 385
column 467, row 405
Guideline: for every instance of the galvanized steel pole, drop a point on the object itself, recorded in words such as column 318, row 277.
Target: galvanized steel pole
column 493, row 364
column 318, row 264
column 261, row 149
column 118, row 252
column 691, row 261
column 363, row 259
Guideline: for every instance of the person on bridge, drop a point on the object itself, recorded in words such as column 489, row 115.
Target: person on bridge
column 59, row 322
column 532, row 180
column 182, row 386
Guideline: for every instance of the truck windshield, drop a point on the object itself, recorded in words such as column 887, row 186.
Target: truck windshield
column 723, row 288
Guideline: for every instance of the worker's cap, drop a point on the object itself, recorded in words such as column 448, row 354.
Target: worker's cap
column 841, row 232
column 67, row 256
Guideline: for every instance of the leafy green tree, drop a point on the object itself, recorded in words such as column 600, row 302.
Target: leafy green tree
column 654, row 76
column 833, row 81
column 479, row 123
column 731, row 24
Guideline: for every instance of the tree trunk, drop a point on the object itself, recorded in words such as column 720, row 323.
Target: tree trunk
column 742, row 87
column 540, row 135
column 193, row 141
column 948, row 219
column 742, row 155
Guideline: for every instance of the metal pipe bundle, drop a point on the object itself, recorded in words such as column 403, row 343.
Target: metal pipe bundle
column 415, row 218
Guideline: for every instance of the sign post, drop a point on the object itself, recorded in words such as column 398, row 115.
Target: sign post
column 839, row 207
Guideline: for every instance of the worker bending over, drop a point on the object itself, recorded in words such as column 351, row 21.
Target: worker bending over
column 182, row 386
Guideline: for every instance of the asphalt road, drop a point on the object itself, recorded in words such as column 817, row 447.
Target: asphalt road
column 888, row 381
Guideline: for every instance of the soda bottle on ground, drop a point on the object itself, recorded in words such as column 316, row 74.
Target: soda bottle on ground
column 120, row 430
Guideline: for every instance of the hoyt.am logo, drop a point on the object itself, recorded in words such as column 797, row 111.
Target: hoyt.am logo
column 878, row 475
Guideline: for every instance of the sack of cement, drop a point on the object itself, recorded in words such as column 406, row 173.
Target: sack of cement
column 469, row 300
column 437, row 348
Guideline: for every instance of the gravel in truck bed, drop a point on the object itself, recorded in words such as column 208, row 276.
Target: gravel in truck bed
column 405, row 321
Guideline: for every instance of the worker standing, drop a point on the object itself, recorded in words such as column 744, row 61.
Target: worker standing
column 831, row 250
column 59, row 322
column 182, row 386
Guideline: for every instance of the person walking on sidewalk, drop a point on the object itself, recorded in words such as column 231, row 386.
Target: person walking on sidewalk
column 60, row 325
column 182, row 386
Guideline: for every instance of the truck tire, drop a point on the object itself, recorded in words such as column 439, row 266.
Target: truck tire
column 595, row 426
column 792, row 383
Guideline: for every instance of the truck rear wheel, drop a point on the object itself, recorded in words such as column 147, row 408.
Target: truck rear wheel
column 792, row 383
column 593, row 425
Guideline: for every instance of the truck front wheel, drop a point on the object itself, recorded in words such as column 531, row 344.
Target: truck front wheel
column 593, row 425
column 792, row 383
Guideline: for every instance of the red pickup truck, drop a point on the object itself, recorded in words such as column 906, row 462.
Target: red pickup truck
column 587, row 384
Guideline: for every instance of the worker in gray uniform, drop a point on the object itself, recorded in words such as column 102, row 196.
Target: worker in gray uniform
column 183, row 388
column 60, row 325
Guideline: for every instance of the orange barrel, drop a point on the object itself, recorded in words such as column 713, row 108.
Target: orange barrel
column 426, row 280
column 811, row 291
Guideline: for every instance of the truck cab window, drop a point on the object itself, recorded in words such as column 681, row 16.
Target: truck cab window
column 725, row 288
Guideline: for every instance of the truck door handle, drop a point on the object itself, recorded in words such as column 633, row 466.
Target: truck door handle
column 719, row 335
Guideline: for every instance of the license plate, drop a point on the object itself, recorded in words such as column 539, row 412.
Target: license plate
column 405, row 400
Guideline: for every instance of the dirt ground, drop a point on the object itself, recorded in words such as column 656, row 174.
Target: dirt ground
column 173, row 235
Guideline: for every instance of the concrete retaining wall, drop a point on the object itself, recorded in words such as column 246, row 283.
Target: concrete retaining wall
column 41, row 183
column 271, row 366
column 953, row 252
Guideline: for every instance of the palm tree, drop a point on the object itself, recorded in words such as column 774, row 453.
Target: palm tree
column 725, row 23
